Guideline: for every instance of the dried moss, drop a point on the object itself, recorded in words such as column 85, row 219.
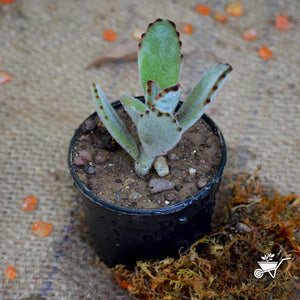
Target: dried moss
column 221, row 265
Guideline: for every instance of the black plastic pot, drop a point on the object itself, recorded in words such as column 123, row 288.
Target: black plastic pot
column 125, row 235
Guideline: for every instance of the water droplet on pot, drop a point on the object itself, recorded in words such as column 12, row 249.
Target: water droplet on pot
column 183, row 220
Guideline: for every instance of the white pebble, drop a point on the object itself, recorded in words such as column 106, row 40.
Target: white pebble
column 161, row 166
column 192, row 170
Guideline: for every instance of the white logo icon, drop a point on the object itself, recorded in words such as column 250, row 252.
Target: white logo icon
column 267, row 265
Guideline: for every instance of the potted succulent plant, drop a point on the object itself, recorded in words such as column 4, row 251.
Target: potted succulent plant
column 158, row 122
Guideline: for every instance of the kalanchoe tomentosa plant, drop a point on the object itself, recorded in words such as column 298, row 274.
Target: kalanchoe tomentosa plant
column 159, row 128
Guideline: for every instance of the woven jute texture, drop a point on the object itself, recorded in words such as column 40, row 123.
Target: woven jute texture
column 46, row 45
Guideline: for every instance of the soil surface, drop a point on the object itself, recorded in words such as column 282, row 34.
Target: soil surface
column 108, row 171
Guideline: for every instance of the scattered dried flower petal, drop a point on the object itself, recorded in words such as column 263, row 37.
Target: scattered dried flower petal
column 41, row 228
column 249, row 34
column 109, row 35
column 203, row 9
column 127, row 51
column 7, row 1
column 10, row 273
column 137, row 34
column 220, row 17
column 265, row 53
column 5, row 77
column 235, row 8
column 282, row 22
column 29, row 203
column 187, row 28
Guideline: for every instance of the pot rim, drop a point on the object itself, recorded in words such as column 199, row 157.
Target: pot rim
column 155, row 211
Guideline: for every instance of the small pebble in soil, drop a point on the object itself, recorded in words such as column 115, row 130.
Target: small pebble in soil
column 135, row 196
column 88, row 126
column 87, row 139
column 89, row 169
column 201, row 183
column 101, row 157
column 82, row 157
column 161, row 166
column 172, row 156
column 171, row 195
column 159, row 185
column 192, row 171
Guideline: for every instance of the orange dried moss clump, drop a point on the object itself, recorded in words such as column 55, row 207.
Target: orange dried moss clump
column 203, row 9
column 10, row 273
column 41, row 229
column 29, row 203
column 222, row 265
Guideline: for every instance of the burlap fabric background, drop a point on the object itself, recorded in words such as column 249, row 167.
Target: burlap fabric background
column 46, row 45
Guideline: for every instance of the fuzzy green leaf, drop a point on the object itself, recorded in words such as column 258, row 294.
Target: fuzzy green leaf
column 167, row 100
column 202, row 95
column 159, row 56
column 158, row 132
column 152, row 91
column 133, row 107
column 113, row 123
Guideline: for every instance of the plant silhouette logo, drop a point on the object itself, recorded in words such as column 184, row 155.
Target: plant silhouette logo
column 268, row 265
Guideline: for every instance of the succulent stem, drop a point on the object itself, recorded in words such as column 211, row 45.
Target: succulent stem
column 143, row 164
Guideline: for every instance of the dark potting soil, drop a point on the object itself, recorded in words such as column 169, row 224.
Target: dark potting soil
column 108, row 171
